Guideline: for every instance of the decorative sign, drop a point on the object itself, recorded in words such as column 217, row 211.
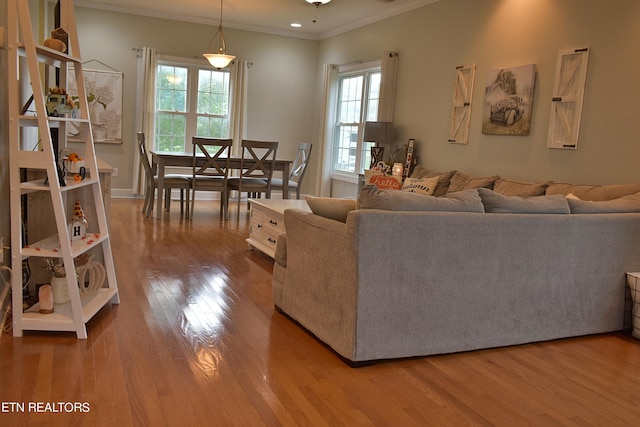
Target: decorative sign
column 408, row 163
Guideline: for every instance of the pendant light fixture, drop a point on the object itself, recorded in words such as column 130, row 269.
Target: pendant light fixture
column 317, row 4
column 220, row 59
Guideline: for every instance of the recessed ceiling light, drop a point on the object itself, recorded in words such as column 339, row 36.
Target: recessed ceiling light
column 296, row 24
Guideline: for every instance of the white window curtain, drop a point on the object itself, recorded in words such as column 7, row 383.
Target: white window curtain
column 329, row 95
column 239, row 83
column 388, row 68
column 145, row 110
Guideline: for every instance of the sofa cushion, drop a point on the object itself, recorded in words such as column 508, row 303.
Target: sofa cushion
column 626, row 204
column 594, row 192
column 516, row 188
column 424, row 186
column 463, row 201
column 331, row 207
column 460, row 181
column 498, row 203
column 443, row 182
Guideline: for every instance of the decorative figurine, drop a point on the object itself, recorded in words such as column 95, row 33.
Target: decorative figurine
column 79, row 224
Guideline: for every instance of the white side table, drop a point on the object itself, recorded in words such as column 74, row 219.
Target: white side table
column 267, row 222
column 634, row 285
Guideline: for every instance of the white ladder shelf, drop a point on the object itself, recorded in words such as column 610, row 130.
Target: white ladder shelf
column 40, row 61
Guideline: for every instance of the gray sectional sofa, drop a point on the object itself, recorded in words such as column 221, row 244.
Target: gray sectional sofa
column 411, row 275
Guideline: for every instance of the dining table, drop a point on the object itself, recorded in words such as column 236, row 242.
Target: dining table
column 160, row 160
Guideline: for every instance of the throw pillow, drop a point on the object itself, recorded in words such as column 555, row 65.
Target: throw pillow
column 626, row 204
column 463, row 201
column 515, row 188
column 382, row 181
column 460, row 181
column 443, row 182
column 330, row 207
column 498, row 203
column 424, row 186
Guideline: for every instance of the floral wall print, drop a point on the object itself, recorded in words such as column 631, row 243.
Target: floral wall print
column 104, row 95
column 508, row 101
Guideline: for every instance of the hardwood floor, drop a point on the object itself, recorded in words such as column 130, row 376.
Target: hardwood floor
column 196, row 341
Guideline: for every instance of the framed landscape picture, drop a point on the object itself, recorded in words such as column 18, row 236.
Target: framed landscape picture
column 508, row 101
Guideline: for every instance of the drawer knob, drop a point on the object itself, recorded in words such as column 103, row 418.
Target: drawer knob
column 272, row 222
column 271, row 240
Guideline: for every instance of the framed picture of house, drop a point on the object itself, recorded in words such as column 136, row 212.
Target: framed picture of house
column 104, row 94
column 508, row 101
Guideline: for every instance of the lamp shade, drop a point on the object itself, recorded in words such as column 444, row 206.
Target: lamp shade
column 219, row 60
column 379, row 132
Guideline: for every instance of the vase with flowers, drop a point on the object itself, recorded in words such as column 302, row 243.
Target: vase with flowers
column 59, row 287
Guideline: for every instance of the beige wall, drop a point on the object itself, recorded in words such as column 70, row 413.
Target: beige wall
column 433, row 40
column 281, row 79
column 284, row 94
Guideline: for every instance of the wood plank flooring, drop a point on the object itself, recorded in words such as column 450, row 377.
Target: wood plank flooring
column 196, row 342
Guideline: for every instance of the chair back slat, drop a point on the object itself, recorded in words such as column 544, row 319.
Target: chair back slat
column 300, row 163
column 144, row 157
column 216, row 153
column 258, row 159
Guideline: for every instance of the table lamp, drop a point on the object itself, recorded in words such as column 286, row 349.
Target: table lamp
column 380, row 133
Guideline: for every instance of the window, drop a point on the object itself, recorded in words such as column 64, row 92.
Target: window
column 357, row 103
column 191, row 100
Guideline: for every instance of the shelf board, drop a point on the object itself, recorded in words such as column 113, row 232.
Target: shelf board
column 32, row 121
column 50, row 56
column 39, row 185
column 62, row 318
column 50, row 247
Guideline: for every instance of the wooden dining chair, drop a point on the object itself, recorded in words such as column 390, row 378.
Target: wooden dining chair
column 211, row 169
column 298, row 170
column 171, row 181
column 256, row 169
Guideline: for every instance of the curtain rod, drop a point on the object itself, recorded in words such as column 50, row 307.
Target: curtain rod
column 178, row 55
column 139, row 52
column 364, row 61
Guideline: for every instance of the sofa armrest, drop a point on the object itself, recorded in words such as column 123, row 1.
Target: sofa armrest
column 320, row 284
column 280, row 256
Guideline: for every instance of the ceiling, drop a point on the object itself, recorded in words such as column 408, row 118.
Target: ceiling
column 269, row 16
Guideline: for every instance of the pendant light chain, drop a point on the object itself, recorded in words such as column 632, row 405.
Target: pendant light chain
column 220, row 59
column 223, row 43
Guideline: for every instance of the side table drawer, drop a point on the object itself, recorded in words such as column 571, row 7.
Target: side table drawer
column 274, row 223
column 267, row 222
column 257, row 224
